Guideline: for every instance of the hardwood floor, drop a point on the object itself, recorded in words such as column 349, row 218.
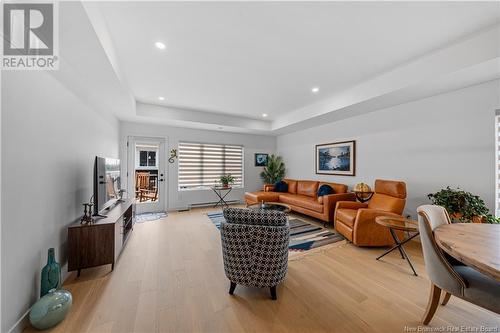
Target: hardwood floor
column 170, row 278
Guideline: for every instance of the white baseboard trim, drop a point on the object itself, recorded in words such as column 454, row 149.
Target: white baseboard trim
column 21, row 324
column 24, row 322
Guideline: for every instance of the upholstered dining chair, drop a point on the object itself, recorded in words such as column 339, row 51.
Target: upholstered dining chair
column 255, row 248
column 448, row 275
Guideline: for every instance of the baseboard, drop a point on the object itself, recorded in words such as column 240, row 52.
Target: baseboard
column 24, row 322
column 21, row 324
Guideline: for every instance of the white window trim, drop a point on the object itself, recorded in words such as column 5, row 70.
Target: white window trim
column 497, row 163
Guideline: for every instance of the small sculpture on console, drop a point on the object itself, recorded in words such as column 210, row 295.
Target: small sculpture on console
column 87, row 214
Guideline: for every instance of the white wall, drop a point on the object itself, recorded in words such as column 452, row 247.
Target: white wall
column 49, row 141
column 447, row 139
column 182, row 199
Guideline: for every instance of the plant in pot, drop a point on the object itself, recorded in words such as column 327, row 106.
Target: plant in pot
column 463, row 206
column 274, row 171
column 226, row 180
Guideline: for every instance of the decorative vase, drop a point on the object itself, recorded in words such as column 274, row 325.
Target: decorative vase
column 478, row 219
column 51, row 274
column 51, row 309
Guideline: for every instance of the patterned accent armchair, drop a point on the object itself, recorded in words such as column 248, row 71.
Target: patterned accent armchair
column 255, row 248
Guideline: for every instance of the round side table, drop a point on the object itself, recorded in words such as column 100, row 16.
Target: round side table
column 403, row 224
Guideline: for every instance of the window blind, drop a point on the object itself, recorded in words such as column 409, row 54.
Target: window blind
column 202, row 164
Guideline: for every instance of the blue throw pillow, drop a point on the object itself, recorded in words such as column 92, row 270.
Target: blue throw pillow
column 325, row 190
column 281, row 187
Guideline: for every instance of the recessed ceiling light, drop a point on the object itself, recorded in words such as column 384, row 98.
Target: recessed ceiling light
column 160, row 45
column 161, row 98
column 264, row 115
column 220, row 127
column 315, row 90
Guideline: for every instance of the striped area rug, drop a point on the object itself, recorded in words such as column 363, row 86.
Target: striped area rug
column 304, row 236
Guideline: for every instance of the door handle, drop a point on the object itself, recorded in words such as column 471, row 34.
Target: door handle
column 161, row 179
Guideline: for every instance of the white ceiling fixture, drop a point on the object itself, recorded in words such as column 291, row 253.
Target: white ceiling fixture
column 264, row 115
column 160, row 45
column 161, row 98
column 315, row 90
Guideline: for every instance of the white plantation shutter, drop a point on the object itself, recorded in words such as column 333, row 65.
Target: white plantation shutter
column 202, row 164
column 497, row 162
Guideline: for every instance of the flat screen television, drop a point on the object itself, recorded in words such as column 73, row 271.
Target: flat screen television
column 106, row 183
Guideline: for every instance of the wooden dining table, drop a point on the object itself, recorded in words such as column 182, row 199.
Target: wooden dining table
column 475, row 245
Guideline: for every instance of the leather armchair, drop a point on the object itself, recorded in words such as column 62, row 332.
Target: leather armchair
column 356, row 221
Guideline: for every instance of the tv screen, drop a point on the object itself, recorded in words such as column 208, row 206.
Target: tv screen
column 106, row 183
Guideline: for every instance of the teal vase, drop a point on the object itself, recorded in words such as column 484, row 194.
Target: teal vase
column 51, row 274
column 51, row 309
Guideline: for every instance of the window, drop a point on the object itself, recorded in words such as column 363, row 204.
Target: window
column 146, row 156
column 497, row 163
column 202, row 164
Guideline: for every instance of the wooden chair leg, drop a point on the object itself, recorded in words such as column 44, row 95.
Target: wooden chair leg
column 432, row 304
column 273, row 293
column 231, row 288
column 446, row 298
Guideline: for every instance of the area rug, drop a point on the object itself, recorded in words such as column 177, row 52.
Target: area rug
column 146, row 217
column 304, row 236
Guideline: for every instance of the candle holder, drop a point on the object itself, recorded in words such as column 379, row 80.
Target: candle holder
column 87, row 214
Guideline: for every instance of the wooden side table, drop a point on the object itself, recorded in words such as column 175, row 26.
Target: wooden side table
column 399, row 223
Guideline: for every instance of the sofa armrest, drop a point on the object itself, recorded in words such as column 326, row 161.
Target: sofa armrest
column 351, row 204
column 268, row 188
column 368, row 232
column 330, row 201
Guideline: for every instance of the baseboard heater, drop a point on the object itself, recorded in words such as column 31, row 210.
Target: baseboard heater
column 205, row 204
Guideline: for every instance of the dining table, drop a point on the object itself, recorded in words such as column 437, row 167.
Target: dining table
column 474, row 244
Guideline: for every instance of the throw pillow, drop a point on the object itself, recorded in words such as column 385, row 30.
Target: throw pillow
column 325, row 190
column 281, row 186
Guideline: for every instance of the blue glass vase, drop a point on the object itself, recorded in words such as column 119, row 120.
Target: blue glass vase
column 51, row 274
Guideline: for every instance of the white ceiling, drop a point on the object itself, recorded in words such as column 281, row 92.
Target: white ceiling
column 246, row 59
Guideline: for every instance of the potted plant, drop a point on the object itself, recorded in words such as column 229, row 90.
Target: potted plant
column 463, row 206
column 274, row 171
column 226, row 180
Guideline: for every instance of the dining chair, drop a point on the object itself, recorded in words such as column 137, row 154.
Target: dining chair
column 449, row 275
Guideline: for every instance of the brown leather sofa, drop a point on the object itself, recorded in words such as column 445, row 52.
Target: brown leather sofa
column 356, row 221
column 302, row 197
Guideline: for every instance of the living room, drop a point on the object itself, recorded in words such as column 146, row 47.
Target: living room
column 331, row 130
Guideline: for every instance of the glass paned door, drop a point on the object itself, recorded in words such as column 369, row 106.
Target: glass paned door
column 146, row 173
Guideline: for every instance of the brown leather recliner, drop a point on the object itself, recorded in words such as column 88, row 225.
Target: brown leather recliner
column 356, row 221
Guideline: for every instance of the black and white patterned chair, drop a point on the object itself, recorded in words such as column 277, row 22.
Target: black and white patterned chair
column 255, row 248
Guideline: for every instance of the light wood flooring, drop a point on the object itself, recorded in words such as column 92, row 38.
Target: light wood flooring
column 170, row 278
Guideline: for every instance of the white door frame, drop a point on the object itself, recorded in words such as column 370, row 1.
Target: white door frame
column 161, row 203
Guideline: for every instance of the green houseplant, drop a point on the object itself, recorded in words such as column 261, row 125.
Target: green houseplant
column 274, row 171
column 226, row 180
column 462, row 206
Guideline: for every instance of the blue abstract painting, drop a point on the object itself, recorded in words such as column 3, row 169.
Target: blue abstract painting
column 336, row 158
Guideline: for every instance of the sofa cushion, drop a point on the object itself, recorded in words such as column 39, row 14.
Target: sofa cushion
column 337, row 188
column 303, row 201
column 325, row 190
column 261, row 196
column 281, row 186
column 347, row 216
column 307, row 187
column 292, row 185
column 387, row 203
